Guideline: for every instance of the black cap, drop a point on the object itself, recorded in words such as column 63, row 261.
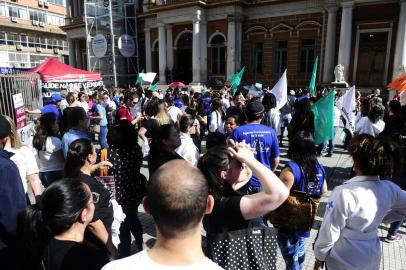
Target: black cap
column 5, row 128
column 254, row 108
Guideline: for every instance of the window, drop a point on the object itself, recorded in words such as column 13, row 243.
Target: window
column 257, row 57
column 280, row 56
column 3, row 11
column 218, row 55
column 3, row 38
column 307, row 56
column 12, row 39
column 13, row 11
column 23, row 38
column 57, row 2
column 31, row 41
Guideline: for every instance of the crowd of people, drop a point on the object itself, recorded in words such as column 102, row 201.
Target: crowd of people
column 213, row 159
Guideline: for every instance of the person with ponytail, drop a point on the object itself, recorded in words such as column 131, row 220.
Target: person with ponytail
column 81, row 163
column 49, row 148
column 52, row 231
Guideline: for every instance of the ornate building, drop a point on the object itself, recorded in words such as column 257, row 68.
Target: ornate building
column 204, row 41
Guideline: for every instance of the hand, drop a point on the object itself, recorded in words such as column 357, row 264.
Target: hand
column 240, row 151
column 104, row 164
column 318, row 265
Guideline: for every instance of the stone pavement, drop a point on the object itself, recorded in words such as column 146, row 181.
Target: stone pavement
column 338, row 169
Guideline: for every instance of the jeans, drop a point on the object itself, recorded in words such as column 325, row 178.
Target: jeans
column 103, row 137
column 330, row 144
column 130, row 225
column 292, row 249
column 48, row 178
column 394, row 227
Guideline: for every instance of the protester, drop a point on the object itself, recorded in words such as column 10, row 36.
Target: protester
column 126, row 157
column 336, row 124
column 224, row 170
column 177, row 198
column 124, row 113
column 83, row 101
column 81, row 163
column 99, row 118
column 173, row 111
column 272, row 115
column 164, row 142
column 393, row 121
column 373, row 123
column 12, row 200
column 187, row 149
column 238, row 108
column 261, row 138
column 217, row 116
column 52, row 232
column 24, row 158
column 195, row 130
column 231, row 123
column 303, row 118
column 303, row 173
column 348, row 234
column 53, row 106
column 49, row 149
column 79, row 129
column 201, row 116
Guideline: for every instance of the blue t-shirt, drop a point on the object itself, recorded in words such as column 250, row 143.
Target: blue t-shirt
column 299, row 184
column 263, row 139
column 102, row 110
column 71, row 136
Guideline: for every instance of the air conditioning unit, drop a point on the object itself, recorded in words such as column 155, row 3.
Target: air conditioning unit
column 39, row 49
column 19, row 47
column 34, row 22
column 46, row 4
column 42, row 24
column 14, row 19
column 40, row 3
column 56, row 51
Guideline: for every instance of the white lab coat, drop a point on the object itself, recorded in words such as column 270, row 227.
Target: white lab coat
column 348, row 236
column 188, row 149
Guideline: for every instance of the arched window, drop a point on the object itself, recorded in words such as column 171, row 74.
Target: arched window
column 155, row 57
column 218, row 55
column 185, row 40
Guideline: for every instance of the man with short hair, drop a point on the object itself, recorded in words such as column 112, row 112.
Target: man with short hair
column 177, row 197
column 78, row 128
column 12, row 200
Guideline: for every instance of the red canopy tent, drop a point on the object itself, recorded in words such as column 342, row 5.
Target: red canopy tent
column 53, row 70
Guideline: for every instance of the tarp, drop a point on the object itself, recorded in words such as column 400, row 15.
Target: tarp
column 53, row 70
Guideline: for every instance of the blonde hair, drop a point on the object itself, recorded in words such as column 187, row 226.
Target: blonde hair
column 15, row 139
column 162, row 116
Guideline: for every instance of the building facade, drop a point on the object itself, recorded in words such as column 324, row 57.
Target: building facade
column 205, row 41
column 30, row 32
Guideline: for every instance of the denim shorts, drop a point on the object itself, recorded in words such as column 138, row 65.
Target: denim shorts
column 292, row 249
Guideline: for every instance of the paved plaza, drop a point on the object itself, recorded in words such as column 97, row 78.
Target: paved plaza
column 338, row 169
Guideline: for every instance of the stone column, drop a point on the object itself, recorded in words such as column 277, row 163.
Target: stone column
column 330, row 45
column 231, row 46
column 203, row 52
column 72, row 52
column 162, row 52
column 238, row 42
column 148, row 53
column 400, row 49
column 169, row 47
column 344, row 52
column 196, row 50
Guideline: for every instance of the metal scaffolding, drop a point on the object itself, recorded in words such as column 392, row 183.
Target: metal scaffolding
column 114, row 52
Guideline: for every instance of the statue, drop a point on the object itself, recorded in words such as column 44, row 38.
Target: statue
column 339, row 74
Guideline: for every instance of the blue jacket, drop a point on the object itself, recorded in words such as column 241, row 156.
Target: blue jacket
column 12, row 199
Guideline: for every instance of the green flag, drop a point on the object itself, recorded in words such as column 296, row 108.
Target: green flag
column 139, row 79
column 153, row 87
column 235, row 79
column 323, row 111
column 312, row 83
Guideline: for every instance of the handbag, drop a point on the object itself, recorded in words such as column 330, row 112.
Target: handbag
column 107, row 180
column 298, row 212
column 251, row 248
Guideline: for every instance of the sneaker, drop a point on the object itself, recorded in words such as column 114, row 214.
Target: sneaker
column 329, row 155
column 394, row 237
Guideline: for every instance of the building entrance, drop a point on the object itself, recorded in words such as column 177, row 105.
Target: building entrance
column 182, row 70
column 372, row 59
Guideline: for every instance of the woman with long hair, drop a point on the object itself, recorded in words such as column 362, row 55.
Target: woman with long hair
column 348, row 236
column 24, row 158
column 81, row 163
column 216, row 116
column 303, row 173
column 165, row 140
column 372, row 124
column 303, row 118
column 126, row 157
column 272, row 115
column 51, row 233
column 49, row 148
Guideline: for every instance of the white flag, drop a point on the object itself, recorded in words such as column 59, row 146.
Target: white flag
column 148, row 77
column 280, row 91
column 347, row 104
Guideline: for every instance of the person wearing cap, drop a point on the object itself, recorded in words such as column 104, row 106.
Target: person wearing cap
column 261, row 138
column 12, row 200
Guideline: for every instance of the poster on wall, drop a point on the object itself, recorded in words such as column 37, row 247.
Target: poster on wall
column 19, row 111
column 126, row 45
column 99, row 46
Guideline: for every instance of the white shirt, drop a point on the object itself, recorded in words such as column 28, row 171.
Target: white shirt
column 225, row 102
column 348, row 236
column 175, row 113
column 84, row 105
column 275, row 117
column 51, row 158
column 24, row 158
column 188, row 149
column 216, row 123
column 111, row 104
column 142, row 260
column 365, row 126
column 337, row 114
